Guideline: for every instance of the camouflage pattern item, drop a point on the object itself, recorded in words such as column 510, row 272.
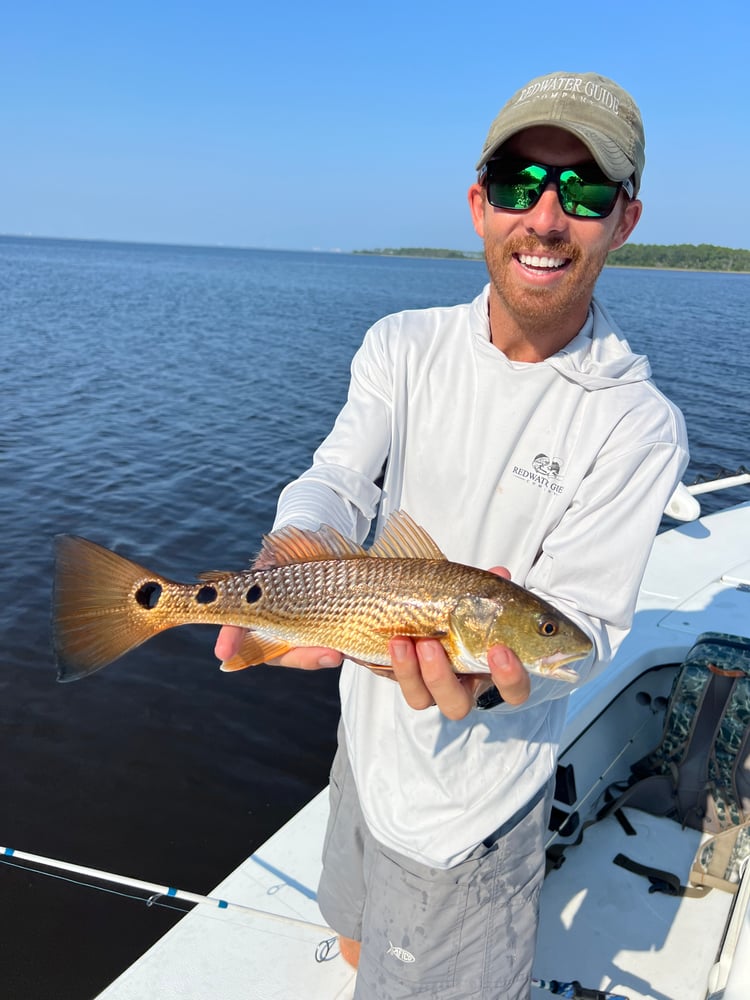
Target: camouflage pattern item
column 719, row 861
column 730, row 748
column 705, row 745
column 699, row 773
column 685, row 700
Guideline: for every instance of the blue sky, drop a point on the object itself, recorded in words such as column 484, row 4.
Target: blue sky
column 344, row 125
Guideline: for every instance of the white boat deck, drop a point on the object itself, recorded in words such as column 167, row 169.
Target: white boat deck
column 608, row 935
column 234, row 952
column 611, row 934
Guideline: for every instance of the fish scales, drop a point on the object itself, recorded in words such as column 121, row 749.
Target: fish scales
column 310, row 588
column 358, row 605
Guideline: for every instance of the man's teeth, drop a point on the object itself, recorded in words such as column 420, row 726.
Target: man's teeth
column 549, row 262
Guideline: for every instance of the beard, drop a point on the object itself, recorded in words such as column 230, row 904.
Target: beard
column 539, row 309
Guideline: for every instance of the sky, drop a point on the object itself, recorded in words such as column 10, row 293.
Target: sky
column 341, row 126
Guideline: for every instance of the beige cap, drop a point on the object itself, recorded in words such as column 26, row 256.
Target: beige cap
column 596, row 110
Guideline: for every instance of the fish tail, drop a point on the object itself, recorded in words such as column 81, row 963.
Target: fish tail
column 102, row 606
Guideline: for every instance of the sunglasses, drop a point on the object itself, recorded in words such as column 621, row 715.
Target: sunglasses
column 584, row 192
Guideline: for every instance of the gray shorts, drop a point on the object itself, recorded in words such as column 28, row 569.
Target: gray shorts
column 466, row 933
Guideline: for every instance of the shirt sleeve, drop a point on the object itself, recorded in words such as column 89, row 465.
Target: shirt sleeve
column 592, row 564
column 340, row 488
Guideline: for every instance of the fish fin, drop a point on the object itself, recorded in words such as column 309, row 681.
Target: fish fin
column 402, row 538
column 216, row 575
column 96, row 614
column 298, row 545
column 255, row 649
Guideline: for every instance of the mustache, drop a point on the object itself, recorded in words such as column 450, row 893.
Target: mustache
column 534, row 245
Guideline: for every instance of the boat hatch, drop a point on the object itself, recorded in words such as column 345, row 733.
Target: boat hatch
column 722, row 606
column 738, row 576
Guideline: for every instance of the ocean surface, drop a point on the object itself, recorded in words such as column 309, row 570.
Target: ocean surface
column 156, row 399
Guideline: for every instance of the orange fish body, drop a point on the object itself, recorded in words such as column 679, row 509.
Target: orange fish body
column 310, row 589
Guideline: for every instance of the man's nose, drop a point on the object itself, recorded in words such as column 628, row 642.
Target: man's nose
column 547, row 216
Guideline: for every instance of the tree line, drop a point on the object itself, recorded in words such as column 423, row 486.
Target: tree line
column 425, row 252
column 680, row 256
column 686, row 256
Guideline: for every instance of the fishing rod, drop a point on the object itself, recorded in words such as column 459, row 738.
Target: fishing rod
column 571, row 990
column 157, row 891
column 574, row 990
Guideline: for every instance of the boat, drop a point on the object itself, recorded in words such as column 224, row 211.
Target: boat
column 604, row 932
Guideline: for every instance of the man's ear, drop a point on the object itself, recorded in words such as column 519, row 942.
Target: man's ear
column 628, row 221
column 476, row 206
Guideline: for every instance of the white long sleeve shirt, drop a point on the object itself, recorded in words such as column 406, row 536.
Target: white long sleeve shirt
column 559, row 470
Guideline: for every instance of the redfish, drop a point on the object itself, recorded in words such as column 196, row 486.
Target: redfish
column 310, row 588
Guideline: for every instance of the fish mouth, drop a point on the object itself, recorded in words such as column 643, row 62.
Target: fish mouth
column 553, row 665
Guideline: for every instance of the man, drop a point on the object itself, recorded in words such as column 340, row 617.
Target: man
column 517, row 428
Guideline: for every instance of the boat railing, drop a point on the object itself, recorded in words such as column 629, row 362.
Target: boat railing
column 683, row 505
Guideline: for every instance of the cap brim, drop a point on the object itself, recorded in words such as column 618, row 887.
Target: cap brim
column 613, row 162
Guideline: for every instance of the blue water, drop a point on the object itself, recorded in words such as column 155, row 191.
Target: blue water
column 156, row 399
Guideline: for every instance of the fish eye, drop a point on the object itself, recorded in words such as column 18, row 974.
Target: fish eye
column 547, row 626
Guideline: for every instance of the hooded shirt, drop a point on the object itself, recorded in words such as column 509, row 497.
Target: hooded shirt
column 559, row 470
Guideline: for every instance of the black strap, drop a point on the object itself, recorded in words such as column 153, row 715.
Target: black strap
column 625, row 823
column 661, row 881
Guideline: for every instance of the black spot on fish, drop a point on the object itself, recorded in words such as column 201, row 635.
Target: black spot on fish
column 206, row 595
column 148, row 595
column 254, row 594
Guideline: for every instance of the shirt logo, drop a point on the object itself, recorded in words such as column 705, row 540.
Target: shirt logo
column 545, row 473
column 400, row 953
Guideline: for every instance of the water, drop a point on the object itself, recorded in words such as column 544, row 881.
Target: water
column 157, row 399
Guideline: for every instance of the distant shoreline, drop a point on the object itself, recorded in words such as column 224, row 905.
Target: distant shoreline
column 650, row 257
column 690, row 258
column 427, row 252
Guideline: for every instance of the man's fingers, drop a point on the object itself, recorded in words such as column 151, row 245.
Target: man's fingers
column 501, row 571
column 452, row 692
column 407, row 672
column 308, row 658
column 230, row 638
column 426, row 676
column 228, row 642
column 510, row 677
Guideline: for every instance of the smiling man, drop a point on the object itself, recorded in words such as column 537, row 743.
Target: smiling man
column 558, row 177
column 518, row 429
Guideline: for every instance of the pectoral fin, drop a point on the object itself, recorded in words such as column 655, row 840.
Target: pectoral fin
column 255, row 649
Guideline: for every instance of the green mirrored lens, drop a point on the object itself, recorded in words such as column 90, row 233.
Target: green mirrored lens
column 516, row 187
column 589, row 198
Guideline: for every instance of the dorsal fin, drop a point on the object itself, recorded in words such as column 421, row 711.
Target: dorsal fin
column 402, row 538
column 296, row 545
column 216, row 575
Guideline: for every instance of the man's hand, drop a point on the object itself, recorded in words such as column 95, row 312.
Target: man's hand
column 303, row 657
column 426, row 676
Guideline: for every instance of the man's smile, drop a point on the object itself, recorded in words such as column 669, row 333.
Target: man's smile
column 541, row 263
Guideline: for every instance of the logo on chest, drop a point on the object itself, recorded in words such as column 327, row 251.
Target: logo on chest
column 545, row 474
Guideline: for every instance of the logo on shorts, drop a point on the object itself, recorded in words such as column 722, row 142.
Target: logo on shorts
column 400, row 953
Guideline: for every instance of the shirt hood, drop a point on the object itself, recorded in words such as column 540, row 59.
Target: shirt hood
column 598, row 357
